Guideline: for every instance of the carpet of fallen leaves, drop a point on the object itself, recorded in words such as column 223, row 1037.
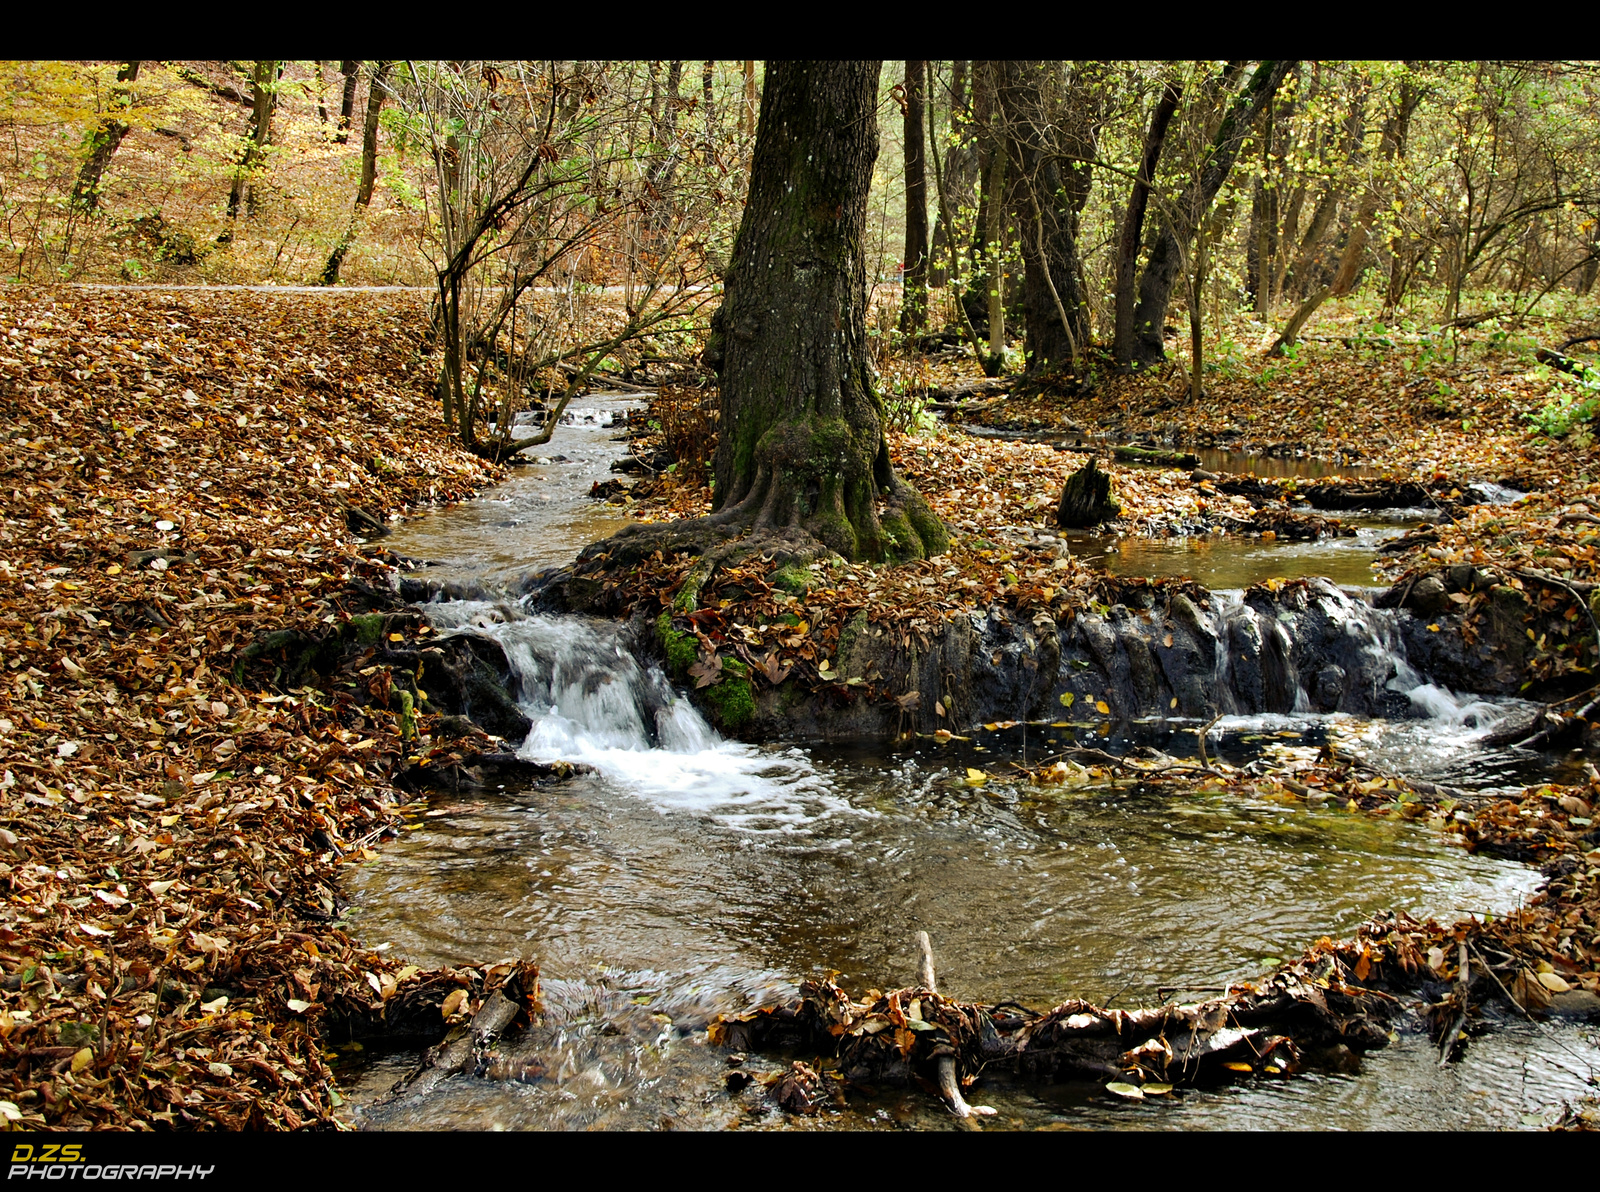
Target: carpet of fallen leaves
column 177, row 469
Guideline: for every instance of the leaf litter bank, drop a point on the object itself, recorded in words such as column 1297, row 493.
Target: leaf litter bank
column 213, row 700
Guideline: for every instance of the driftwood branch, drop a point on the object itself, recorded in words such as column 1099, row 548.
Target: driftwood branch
column 949, row 1085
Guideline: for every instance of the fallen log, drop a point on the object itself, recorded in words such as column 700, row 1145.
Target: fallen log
column 947, row 396
column 1147, row 455
column 1561, row 361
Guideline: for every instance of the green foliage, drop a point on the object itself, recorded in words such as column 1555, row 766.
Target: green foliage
column 1571, row 409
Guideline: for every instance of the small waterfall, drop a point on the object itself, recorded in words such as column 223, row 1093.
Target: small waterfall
column 1320, row 649
column 592, row 702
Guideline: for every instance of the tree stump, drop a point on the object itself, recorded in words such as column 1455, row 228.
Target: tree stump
column 1086, row 499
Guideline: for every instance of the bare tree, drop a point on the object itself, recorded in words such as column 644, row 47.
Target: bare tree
column 532, row 173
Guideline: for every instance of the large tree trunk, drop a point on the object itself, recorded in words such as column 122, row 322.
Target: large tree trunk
column 107, row 138
column 1133, row 221
column 1049, row 152
column 914, row 295
column 1177, row 231
column 801, row 438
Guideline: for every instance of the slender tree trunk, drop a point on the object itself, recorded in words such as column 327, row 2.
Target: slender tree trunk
column 1048, row 151
column 994, row 247
column 988, row 228
column 747, row 115
column 347, row 104
column 1302, row 271
column 960, row 172
column 1166, row 255
column 914, row 297
column 1133, row 222
column 708, row 102
column 1344, row 280
column 801, row 436
column 105, row 142
column 322, row 91
column 377, row 92
column 262, row 83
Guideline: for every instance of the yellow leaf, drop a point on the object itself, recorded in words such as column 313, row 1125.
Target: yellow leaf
column 976, row 777
column 1238, row 1067
column 1174, row 702
column 1553, row 983
column 1067, row 699
column 397, row 637
column 1122, row 1089
column 1102, row 707
column 453, row 1003
column 1157, row 1090
column 80, row 1061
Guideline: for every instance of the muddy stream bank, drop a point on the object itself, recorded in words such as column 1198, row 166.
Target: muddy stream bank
column 683, row 874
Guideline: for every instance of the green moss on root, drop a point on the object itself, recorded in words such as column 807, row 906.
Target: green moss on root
column 794, row 579
column 368, row 628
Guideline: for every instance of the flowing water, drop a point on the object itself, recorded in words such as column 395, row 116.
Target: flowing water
column 685, row 875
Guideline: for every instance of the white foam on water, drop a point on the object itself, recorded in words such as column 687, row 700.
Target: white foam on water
column 592, row 702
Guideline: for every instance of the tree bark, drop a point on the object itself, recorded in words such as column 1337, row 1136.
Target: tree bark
column 322, row 91
column 983, row 298
column 1133, row 221
column 914, row 295
column 107, row 138
column 1177, row 231
column 347, row 104
column 801, row 439
column 708, row 101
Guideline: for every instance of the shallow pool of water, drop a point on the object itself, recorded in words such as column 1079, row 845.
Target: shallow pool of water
column 652, row 906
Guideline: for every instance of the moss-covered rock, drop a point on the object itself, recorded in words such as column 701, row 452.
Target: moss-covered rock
column 679, row 647
column 367, row 628
column 794, row 579
column 732, row 701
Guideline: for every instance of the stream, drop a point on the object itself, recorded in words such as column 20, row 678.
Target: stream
column 687, row 875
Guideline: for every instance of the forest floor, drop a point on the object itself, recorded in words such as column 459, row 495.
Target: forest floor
column 178, row 790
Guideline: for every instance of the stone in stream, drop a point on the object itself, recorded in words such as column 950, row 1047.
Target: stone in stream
column 1086, row 499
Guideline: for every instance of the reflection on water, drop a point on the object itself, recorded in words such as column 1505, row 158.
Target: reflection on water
column 1034, row 893
column 1228, row 561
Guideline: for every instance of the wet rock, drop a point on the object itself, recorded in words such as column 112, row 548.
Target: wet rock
column 1328, row 692
column 1575, row 1003
column 1428, row 597
column 1244, row 660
